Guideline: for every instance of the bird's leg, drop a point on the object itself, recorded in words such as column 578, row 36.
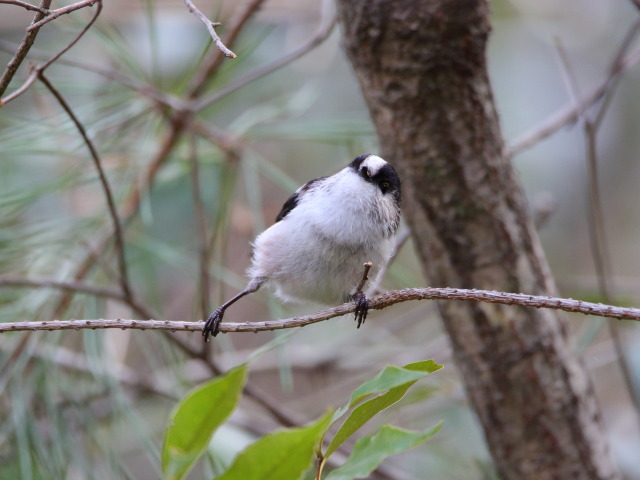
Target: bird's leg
column 362, row 307
column 362, row 303
column 212, row 325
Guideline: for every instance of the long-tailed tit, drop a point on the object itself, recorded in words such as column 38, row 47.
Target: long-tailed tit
column 322, row 237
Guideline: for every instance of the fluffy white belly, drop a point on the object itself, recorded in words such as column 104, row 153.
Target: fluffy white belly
column 308, row 266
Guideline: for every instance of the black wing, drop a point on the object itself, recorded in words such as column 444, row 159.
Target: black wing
column 293, row 200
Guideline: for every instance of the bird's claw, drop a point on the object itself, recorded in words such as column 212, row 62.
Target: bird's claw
column 362, row 307
column 212, row 325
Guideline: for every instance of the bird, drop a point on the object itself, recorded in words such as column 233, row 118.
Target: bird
column 324, row 234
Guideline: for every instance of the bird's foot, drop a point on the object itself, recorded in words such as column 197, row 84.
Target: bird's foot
column 212, row 325
column 362, row 307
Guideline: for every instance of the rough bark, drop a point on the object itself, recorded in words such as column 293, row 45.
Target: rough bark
column 422, row 68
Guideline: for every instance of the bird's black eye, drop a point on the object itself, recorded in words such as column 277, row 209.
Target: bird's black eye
column 385, row 186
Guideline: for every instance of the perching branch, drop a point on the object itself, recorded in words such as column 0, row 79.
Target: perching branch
column 377, row 303
column 211, row 27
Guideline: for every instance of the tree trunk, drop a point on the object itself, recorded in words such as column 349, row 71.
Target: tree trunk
column 421, row 65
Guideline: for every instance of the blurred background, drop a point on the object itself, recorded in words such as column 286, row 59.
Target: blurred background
column 94, row 404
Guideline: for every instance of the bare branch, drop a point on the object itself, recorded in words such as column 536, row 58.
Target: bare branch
column 27, row 42
column 569, row 75
column 378, row 302
column 26, row 5
column 41, row 68
column 210, row 26
column 571, row 113
column 119, row 237
column 53, row 14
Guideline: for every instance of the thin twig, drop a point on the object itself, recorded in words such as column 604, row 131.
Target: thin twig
column 213, row 62
column 53, row 14
column 571, row 113
column 36, row 71
column 211, row 27
column 377, row 303
column 615, row 66
column 325, row 29
column 569, row 75
column 75, row 40
column 27, row 6
column 365, row 276
column 27, row 42
column 119, row 237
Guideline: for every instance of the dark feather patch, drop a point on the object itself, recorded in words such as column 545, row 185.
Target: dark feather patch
column 355, row 164
column 388, row 181
column 293, row 200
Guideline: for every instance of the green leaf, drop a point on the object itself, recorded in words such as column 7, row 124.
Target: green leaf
column 428, row 366
column 391, row 376
column 196, row 417
column 366, row 410
column 370, row 451
column 284, row 455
